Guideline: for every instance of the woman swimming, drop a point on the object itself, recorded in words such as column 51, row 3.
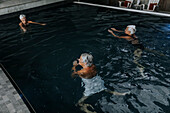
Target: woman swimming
column 129, row 35
column 24, row 23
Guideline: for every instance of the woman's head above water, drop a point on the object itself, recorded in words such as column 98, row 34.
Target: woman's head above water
column 130, row 29
column 86, row 59
column 88, row 69
column 22, row 17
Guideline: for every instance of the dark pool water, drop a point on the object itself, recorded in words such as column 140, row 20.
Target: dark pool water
column 40, row 60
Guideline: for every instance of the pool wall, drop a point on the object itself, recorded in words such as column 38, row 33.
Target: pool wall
column 11, row 98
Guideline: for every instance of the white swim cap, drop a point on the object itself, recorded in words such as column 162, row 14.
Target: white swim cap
column 21, row 16
column 132, row 29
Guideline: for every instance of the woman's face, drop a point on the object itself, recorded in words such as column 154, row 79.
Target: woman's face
column 24, row 20
column 81, row 61
column 127, row 31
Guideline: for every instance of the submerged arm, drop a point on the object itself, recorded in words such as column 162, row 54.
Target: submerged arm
column 125, row 37
column 24, row 29
column 117, row 93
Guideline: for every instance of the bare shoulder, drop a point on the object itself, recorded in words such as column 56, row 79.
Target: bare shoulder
column 20, row 23
column 93, row 67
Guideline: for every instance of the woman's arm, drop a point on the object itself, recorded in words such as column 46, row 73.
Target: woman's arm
column 74, row 69
column 74, row 65
column 125, row 37
column 79, row 73
column 24, row 29
column 110, row 31
column 116, row 30
column 36, row 23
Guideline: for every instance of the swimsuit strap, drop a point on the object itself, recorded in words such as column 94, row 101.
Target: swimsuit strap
column 26, row 24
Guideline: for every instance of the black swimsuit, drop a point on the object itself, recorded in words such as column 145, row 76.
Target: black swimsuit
column 134, row 41
column 27, row 24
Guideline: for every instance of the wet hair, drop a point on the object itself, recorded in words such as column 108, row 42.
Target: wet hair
column 87, row 58
column 21, row 16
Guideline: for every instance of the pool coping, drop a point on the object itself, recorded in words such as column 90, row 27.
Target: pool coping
column 26, row 5
column 124, row 9
column 18, row 96
column 21, row 10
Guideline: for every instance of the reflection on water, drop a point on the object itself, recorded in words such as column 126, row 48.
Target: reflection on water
column 137, row 56
column 41, row 62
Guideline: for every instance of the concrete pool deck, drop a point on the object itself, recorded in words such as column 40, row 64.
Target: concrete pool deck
column 10, row 101
column 125, row 9
column 12, row 6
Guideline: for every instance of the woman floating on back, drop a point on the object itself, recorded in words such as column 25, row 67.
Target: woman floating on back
column 25, row 23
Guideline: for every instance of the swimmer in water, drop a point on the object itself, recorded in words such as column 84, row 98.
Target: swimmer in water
column 129, row 35
column 25, row 23
column 93, row 83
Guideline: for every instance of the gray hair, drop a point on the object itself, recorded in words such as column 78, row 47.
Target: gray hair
column 87, row 58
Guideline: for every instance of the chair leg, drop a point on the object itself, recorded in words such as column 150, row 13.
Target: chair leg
column 120, row 3
column 154, row 7
column 143, row 6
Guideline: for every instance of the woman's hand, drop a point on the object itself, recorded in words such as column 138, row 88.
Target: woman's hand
column 24, row 30
column 43, row 24
column 75, row 63
column 110, row 31
column 73, row 75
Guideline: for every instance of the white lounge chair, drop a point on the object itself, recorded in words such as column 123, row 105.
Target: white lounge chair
column 127, row 3
column 139, row 5
column 152, row 5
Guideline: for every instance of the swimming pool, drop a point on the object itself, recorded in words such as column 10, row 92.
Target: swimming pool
column 40, row 61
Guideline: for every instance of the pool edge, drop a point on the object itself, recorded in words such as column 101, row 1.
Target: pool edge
column 34, row 9
column 124, row 9
column 20, row 95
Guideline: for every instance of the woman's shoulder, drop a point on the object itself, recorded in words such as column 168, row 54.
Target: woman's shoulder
column 20, row 23
column 93, row 67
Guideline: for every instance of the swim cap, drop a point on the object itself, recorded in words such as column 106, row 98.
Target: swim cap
column 132, row 29
column 21, row 16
